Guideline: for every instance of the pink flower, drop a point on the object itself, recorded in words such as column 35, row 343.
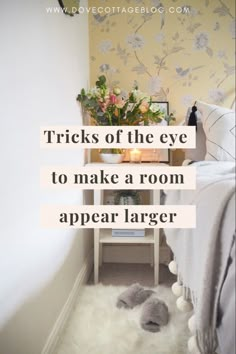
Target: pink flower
column 113, row 99
column 120, row 102
column 104, row 105
column 144, row 107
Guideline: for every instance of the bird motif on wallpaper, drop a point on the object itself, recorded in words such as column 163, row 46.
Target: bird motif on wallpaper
column 99, row 18
column 182, row 72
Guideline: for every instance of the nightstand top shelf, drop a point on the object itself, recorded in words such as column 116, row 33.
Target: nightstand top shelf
column 106, row 237
column 126, row 164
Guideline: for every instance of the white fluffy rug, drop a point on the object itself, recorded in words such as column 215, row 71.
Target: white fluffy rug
column 98, row 327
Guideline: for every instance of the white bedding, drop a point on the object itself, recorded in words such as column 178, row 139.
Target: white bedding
column 200, row 253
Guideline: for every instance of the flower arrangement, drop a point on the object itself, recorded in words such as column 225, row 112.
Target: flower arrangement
column 110, row 106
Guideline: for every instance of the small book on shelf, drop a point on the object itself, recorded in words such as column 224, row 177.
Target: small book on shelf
column 128, row 232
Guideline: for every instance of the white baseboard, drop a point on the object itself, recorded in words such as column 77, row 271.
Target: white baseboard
column 81, row 279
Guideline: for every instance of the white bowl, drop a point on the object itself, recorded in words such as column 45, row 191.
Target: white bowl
column 112, row 158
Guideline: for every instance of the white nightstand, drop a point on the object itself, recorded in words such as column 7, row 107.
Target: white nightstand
column 104, row 236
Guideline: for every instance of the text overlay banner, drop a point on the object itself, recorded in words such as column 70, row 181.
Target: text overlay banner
column 119, row 216
column 120, row 176
column 161, row 137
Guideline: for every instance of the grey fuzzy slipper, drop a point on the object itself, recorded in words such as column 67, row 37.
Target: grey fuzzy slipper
column 133, row 296
column 154, row 315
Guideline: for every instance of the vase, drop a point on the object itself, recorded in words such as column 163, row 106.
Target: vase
column 127, row 197
column 112, row 155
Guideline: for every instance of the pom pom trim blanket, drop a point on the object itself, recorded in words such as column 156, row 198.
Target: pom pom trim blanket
column 202, row 254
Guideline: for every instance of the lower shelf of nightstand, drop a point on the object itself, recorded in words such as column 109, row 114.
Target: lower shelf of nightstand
column 106, row 237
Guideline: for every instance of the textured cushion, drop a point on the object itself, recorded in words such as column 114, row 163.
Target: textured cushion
column 219, row 127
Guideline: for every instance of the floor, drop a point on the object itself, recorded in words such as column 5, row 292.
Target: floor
column 97, row 326
column 126, row 274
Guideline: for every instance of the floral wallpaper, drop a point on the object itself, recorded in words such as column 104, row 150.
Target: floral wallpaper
column 181, row 54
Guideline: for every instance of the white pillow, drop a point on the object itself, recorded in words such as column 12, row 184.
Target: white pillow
column 219, row 127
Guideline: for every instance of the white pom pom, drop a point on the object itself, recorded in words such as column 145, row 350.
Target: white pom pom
column 183, row 305
column 173, row 267
column 192, row 324
column 176, row 289
column 192, row 345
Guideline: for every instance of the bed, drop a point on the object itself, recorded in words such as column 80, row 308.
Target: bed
column 204, row 258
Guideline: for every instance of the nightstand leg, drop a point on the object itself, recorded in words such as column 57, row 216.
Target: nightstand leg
column 97, row 200
column 156, row 256
column 151, row 255
column 100, row 255
column 155, row 199
column 96, row 256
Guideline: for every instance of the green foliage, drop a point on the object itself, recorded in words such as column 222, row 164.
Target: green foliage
column 110, row 106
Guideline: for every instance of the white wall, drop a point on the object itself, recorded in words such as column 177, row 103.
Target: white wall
column 43, row 65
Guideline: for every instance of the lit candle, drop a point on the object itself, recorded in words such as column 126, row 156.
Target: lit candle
column 135, row 156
